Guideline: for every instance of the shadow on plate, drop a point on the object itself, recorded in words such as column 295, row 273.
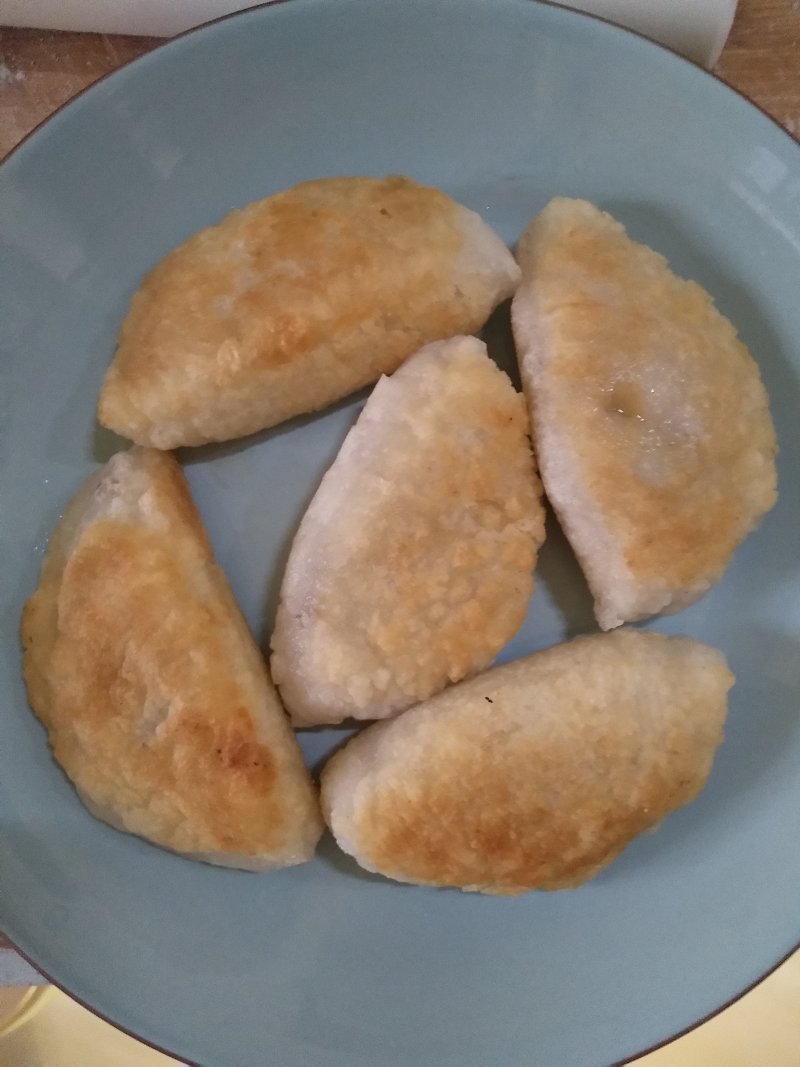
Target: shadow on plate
column 320, row 743
column 222, row 449
column 500, row 342
column 106, row 443
column 329, row 854
column 559, row 571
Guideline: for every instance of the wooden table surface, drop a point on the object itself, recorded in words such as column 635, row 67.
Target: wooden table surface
column 40, row 70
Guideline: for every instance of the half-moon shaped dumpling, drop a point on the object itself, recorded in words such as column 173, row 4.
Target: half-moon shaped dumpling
column 536, row 774
column 155, row 696
column 294, row 302
column 413, row 564
column 651, row 424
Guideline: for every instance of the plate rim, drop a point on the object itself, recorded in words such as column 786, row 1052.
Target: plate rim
column 263, row 5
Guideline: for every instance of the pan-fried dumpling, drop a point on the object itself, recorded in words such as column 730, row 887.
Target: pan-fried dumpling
column 536, row 774
column 413, row 564
column 651, row 424
column 155, row 696
column 294, row 302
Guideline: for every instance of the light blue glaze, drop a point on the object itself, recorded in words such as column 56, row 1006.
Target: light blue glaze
column 504, row 103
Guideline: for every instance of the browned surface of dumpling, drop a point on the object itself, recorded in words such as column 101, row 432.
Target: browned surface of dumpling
column 413, row 564
column 534, row 775
column 651, row 424
column 295, row 301
column 155, row 697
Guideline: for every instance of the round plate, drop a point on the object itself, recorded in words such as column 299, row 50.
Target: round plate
column 504, row 104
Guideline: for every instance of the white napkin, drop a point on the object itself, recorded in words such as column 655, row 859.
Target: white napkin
column 697, row 28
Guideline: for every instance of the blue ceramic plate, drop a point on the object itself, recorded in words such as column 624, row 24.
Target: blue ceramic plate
column 503, row 103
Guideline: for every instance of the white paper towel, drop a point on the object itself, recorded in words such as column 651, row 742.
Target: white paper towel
column 696, row 28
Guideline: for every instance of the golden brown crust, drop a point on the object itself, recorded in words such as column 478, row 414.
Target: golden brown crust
column 413, row 565
column 651, row 422
column 295, row 301
column 536, row 774
column 156, row 700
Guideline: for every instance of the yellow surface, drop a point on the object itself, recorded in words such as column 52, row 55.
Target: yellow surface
column 760, row 1030
column 58, row 1032
column 44, row 1028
